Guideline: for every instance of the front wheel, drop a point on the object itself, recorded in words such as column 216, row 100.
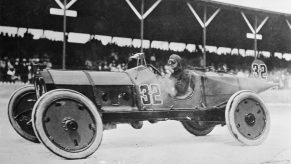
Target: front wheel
column 198, row 128
column 67, row 123
column 247, row 118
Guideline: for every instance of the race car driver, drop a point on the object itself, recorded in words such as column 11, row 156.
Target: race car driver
column 175, row 71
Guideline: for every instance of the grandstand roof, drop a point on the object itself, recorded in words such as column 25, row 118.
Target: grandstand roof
column 278, row 7
column 170, row 21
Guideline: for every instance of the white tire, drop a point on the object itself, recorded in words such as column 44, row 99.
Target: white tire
column 67, row 123
column 247, row 118
column 19, row 112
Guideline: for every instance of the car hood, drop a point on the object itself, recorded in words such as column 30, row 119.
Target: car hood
column 72, row 77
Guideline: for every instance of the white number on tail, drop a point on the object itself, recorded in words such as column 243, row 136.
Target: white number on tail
column 259, row 70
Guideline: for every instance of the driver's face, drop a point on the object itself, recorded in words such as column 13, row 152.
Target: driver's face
column 172, row 63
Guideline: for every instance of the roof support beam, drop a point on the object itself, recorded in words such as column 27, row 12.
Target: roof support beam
column 141, row 26
column 255, row 30
column 196, row 15
column 288, row 23
column 255, row 40
column 212, row 17
column 61, row 5
column 134, row 9
column 64, row 34
column 70, row 3
column 262, row 24
column 248, row 22
column 151, row 9
column 204, row 25
column 142, row 16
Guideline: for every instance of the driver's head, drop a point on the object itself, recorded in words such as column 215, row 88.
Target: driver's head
column 175, row 61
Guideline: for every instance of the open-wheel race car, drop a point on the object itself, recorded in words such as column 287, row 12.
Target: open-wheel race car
column 68, row 110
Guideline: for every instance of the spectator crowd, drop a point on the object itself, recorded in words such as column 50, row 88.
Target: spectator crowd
column 12, row 70
column 17, row 61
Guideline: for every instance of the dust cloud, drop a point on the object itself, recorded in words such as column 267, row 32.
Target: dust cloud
column 168, row 86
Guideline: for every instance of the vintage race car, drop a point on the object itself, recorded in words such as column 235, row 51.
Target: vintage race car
column 67, row 110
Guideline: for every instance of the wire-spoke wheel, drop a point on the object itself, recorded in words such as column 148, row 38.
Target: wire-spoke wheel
column 19, row 112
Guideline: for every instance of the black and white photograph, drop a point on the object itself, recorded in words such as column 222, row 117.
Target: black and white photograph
column 145, row 81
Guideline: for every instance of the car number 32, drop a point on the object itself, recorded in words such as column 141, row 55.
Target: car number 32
column 259, row 70
column 150, row 94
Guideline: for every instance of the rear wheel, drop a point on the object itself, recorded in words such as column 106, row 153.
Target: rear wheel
column 67, row 123
column 19, row 112
column 198, row 128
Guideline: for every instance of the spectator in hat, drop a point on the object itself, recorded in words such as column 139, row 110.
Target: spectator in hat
column 24, row 71
column 132, row 61
column 17, row 66
column 2, row 70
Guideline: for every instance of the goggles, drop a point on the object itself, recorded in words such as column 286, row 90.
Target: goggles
column 172, row 62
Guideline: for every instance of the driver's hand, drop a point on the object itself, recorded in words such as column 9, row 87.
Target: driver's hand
column 169, row 70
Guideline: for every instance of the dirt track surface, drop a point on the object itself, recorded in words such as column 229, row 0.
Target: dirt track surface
column 163, row 142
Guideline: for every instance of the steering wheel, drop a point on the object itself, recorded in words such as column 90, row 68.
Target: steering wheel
column 154, row 69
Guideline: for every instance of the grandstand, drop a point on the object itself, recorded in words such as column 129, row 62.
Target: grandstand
column 97, row 34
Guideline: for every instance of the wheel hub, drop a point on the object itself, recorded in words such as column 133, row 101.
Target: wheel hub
column 250, row 119
column 70, row 124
